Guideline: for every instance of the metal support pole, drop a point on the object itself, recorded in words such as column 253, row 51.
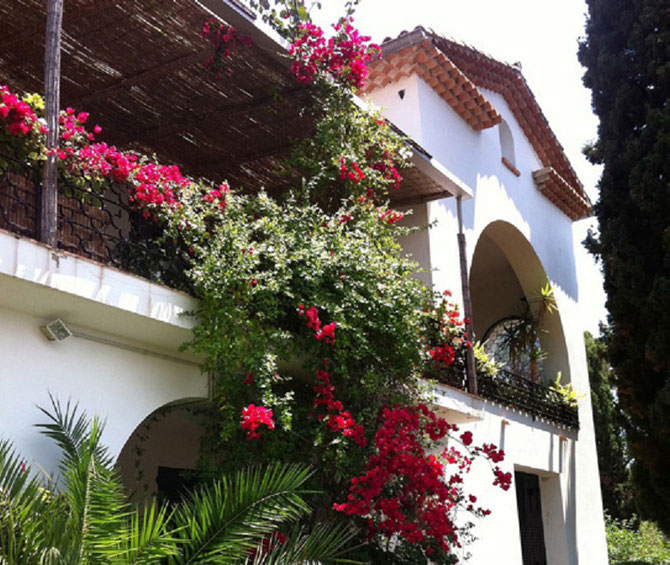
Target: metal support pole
column 470, row 368
column 49, row 197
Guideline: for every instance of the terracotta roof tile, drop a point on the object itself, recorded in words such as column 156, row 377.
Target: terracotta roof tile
column 435, row 68
column 456, row 72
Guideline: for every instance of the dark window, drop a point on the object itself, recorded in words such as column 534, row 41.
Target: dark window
column 174, row 483
column 530, row 518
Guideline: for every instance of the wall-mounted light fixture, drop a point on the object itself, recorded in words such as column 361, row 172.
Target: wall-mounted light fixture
column 56, row 330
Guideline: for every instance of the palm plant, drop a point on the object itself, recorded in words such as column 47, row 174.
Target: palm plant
column 83, row 517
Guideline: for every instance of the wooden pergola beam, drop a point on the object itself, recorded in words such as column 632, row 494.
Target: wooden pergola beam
column 256, row 103
column 148, row 74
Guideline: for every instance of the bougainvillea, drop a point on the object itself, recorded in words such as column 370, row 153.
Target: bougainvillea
column 255, row 416
column 409, row 495
column 447, row 343
column 18, row 116
column 343, row 56
column 224, row 39
column 309, row 312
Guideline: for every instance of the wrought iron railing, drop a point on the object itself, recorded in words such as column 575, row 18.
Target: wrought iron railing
column 519, row 393
column 98, row 225
column 536, row 399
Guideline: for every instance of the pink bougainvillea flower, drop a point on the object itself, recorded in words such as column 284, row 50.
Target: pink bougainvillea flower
column 255, row 416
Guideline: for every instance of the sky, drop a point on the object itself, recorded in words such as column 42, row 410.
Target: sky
column 540, row 34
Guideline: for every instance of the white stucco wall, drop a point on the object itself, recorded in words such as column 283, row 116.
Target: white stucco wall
column 133, row 369
column 500, row 196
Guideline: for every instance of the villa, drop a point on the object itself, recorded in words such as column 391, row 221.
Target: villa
column 80, row 320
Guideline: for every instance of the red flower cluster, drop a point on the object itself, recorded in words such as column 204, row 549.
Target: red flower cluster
column 492, row 452
column 403, row 491
column 391, row 217
column 351, row 172
column 18, row 116
column 223, row 38
column 218, row 196
column 325, row 333
column 254, row 416
column 72, row 125
column 338, row 419
column 442, row 355
column 158, row 184
column 100, row 159
column 344, row 56
column 503, row 480
column 387, row 168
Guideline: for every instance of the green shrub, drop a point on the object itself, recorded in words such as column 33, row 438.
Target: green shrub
column 633, row 543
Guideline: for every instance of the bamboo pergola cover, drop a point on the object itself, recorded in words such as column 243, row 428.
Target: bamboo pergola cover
column 137, row 67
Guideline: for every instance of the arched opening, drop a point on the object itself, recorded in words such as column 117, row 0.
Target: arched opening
column 505, row 283
column 506, row 143
column 163, row 451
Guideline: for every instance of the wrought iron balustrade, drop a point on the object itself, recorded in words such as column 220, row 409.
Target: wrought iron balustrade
column 521, row 394
column 537, row 399
column 98, row 225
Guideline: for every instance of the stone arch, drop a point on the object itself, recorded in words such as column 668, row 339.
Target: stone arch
column 506, row 270
column 157, row 456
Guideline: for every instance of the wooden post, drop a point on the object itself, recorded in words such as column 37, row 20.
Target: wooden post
column 470, row 368
column 49, row 197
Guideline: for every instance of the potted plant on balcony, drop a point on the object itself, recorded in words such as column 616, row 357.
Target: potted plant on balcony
column 515, row 340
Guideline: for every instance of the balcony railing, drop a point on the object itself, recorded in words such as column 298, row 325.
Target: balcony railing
column 101, row 226
column 519, row 393
column 536, row 399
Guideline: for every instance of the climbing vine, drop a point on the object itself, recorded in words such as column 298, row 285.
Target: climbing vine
column 309, row 315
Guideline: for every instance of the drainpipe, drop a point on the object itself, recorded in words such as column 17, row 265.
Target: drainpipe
column 49, row 196
column 470, row 369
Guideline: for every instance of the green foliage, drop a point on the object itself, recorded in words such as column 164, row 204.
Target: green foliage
column 631, row 542
column 484, row 364
column 346, row 133
column 263, row 260
column 83, row 518
column 569, row 395
column 613, row 457
column 520, row 337
column 626, row 58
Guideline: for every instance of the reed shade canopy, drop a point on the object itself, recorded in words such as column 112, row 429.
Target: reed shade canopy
column 137, row 67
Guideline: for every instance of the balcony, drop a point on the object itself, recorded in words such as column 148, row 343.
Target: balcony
column 102, row 227
column 520, row 394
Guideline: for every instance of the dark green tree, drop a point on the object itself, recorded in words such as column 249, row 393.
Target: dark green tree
column 626, row 53
column 608, row 421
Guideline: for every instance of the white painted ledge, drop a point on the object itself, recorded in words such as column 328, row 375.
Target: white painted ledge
column 51, row 283
column 456, row 406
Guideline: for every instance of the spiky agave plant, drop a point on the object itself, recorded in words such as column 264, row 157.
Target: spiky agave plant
column 84, row 518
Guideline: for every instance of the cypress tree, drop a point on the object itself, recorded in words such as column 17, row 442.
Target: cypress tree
column 613, row 456
column 626, row 53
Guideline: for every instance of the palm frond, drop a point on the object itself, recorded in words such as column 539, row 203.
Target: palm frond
column 324, row 544
column 93, row 494
column 149, row 538
column 223, row 522
column 22, row 501
column 72, row 431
